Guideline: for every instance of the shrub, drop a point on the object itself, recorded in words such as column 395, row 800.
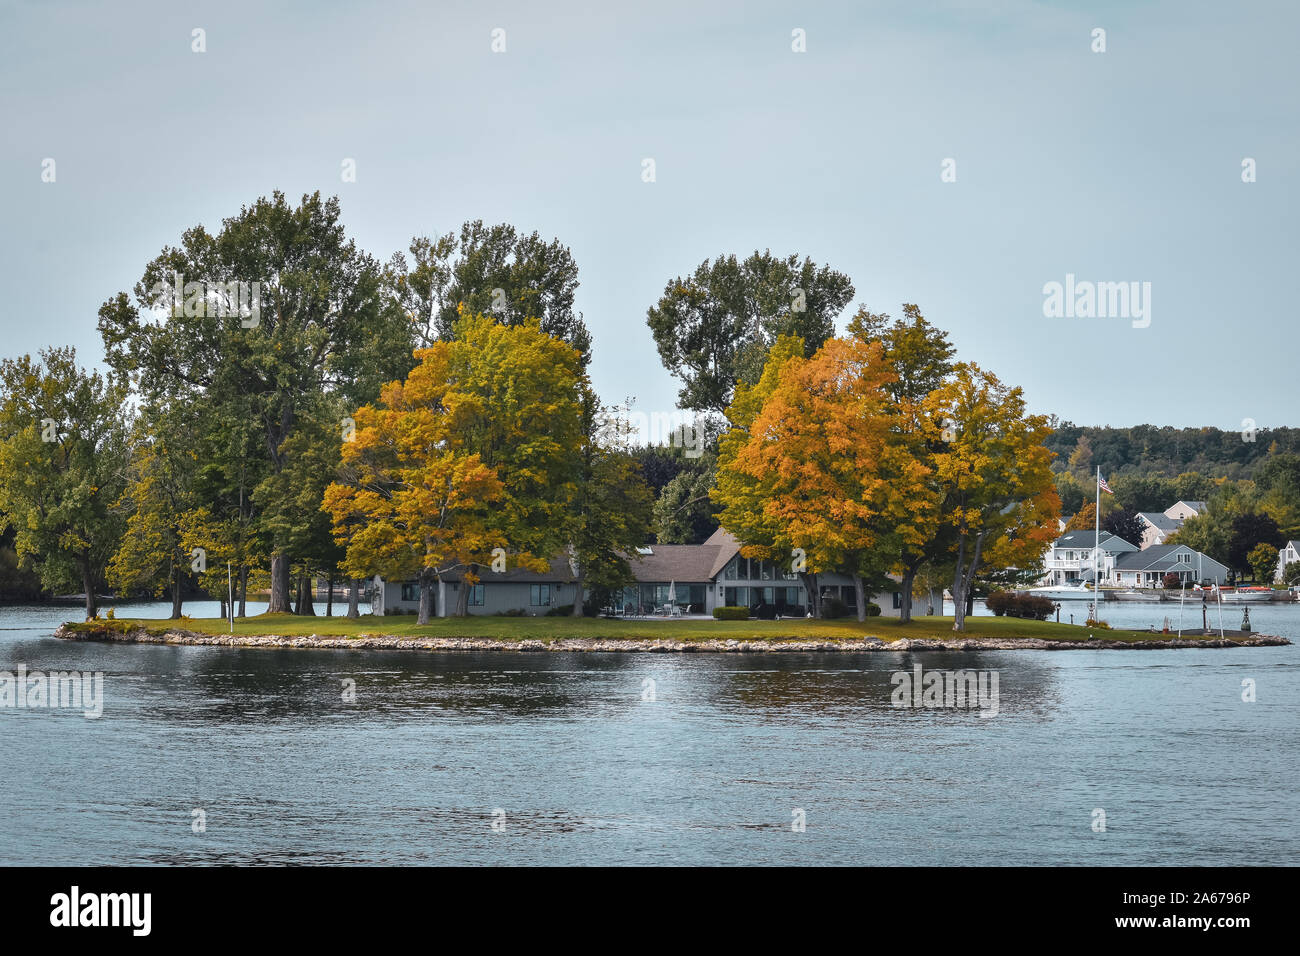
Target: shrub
column 1026, row 606
column 731, row 613
column 564, row 610
column 1172, row 582
column 1291, row 573
column 111, row 615
column 873, row 609
column 833, row 608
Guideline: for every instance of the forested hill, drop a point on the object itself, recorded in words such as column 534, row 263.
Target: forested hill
column 1168, row 451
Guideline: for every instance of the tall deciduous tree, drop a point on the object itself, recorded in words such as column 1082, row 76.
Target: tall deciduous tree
column 158, row 501
column 494, row 271
column 476, row 450
column 999, row 496
column 63, row 451
column 611, row 506
column 261, row 318
column 715, row 327
column 920, row 356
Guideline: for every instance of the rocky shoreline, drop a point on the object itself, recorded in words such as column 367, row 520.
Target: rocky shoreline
column 379, row 641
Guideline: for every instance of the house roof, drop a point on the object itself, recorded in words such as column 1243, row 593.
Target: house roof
column 1160, row 521
column 1161, row 557
column 1085, row 539
column 559, row 571
column 683, row 563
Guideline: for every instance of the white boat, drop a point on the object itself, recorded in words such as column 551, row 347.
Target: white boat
column 1063, row 593
column 1247, row 595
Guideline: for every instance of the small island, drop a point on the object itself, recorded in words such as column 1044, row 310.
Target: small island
column 602, row 634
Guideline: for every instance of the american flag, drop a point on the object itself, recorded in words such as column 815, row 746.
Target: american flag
column 1101, row 483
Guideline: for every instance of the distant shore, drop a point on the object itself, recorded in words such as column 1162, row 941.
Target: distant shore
column 785, row 643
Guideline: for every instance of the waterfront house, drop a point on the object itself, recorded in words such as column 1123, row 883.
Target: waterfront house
column 693, row 577
column 1147, row 568
column 1157, row 527
column 1069, row 560
column 1182, row 510
column 1290, row 552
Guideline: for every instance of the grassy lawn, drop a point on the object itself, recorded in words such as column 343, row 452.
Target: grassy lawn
column 551, row 628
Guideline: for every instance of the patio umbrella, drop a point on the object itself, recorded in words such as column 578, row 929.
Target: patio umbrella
column 672, row 592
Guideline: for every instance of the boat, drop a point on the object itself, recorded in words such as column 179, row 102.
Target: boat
column 1246, row 595
column 1063, row 593
column 1132, row 595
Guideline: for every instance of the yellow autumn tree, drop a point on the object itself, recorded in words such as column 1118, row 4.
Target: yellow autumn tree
column 999, row 497
column 474, row 452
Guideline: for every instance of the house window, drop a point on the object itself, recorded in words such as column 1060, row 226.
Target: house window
column 729, row 572
column 539, row 595
column 410, row 591
column 898, row 599
column 476, row 595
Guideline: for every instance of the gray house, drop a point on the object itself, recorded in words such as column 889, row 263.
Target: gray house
column 1147, row 568
column 695, row 577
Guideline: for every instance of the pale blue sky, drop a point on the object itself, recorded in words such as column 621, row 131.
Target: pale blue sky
column 1123, row 165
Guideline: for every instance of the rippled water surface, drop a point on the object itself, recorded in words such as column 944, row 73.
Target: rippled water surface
column 709, row 772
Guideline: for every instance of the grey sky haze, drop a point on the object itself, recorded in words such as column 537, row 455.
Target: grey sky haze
column 1115, row 166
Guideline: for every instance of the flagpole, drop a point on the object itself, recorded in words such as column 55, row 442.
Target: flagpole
column 1096, row 548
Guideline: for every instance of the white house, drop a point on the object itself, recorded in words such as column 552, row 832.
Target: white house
column 1290, row 552
column 1070, row 561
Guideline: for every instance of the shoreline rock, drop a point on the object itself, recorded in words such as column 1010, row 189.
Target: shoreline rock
column 178, row 636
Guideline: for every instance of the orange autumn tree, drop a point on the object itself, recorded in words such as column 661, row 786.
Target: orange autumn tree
column 813, row 473
column 999, row 497
column 474, row 452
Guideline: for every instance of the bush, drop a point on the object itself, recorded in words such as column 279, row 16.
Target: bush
column 731, row 613
column 833, row 608
column 565, row 610
column 111, row 615
column 1025, row 606
column 1291, row 574
column 873, row 609
column 1172, row 582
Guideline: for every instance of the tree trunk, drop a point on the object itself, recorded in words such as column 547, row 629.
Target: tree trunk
column 426, row 599
column 279, row 603
column 225, row 609
column 88, row 582
column 329, row 600
column 176, row 593
column 305, row 605
column 462, row 594
column 861, row 593
column 962, row 598
column 354, row 598
column 577, row 601
column 905, row 612
column 243, row 590
column 814, row 596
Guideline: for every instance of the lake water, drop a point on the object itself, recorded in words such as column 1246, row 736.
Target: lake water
column 582, row 769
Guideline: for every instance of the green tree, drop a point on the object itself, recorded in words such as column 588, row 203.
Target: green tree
column 158, row 498
column 715, row 327
column 612, row 504
column 319, row 320
column 494, row 271
column 63, row 449
column 1263, row 563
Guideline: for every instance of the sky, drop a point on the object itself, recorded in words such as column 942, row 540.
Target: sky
column 1122, row 165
